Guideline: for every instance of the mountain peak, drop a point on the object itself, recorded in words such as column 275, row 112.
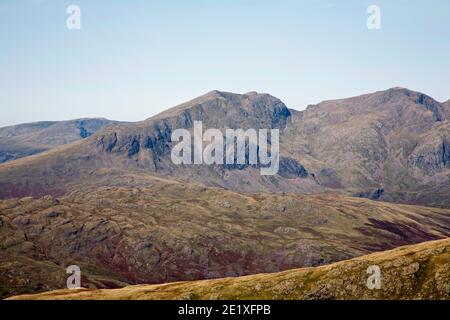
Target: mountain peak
column 406, row 92
column 232, row 106
column 226, row 94
column 400, row 91
column 213, row 94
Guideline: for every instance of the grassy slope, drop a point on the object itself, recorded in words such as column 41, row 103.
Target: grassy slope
column 412, row 272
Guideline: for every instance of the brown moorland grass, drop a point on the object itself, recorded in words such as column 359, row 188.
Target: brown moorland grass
column 419, row 271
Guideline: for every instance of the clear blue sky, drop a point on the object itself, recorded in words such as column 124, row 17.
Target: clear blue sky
column 132, row 59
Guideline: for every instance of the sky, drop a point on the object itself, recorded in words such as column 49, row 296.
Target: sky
column 132, row 59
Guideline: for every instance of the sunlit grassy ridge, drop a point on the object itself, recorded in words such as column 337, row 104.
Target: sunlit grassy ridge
column 412, row 272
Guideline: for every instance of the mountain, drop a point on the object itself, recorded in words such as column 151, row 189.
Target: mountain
column 172, row 231
column 32, row 138
column 145, row 148
column 115, row 204
column 413, row 272
column 390, row 145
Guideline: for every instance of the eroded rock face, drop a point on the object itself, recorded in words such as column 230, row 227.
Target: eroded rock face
column 290, row 168
column 432, row 156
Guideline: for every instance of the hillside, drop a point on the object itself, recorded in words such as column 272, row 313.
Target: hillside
column 390, row 145
column 31, row 138
column 413, row 272
column 171, row 231
column 446, row 106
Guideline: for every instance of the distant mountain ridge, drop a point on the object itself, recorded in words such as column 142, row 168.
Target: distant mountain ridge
column 31, row 138
column 389, row 145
